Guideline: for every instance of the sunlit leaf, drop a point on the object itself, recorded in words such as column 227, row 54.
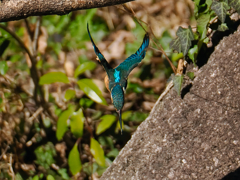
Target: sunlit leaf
column 222, row 27
column 83, row 67
column 184, row 40
column 190, row 75
column 186, row 37
column 77, row 123
column 69, row 94
column 193, row 52
column 45, row 155
column 202, row 23
column 47, row 122
column 177, row 82
column 97, row 152
column 235, row 4
column 63, row 172
column 107, row 121
column 74, row 161
column 53, row 77
column 85, row 102
column 35, row 177
column 62, row 126
column 176, row 45
column 91, row 90
column 18, row 177
column 220, row 8
column 177, row 56
column 50, row 177
column 126, row 115
column 113, row 153
column 3, row 67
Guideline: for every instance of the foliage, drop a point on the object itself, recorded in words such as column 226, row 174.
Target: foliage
column 45, row 155
column 190, row 43
column 67, row 127
column 66, row 120
column 53, row 77
column 74, row 160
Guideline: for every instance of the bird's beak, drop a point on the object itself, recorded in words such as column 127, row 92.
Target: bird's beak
column 120, row 118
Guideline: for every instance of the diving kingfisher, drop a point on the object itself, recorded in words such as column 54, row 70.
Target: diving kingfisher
column 116, row 78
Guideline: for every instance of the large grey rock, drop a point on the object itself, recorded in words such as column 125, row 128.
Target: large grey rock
column 197, row 137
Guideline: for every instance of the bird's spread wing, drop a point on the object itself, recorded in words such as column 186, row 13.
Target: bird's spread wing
column 132, row 61
column 101, row 58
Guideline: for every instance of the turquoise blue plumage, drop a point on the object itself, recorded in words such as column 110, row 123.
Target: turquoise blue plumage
column 116, row 79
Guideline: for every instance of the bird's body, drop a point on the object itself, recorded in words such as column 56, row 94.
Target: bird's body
column 116, row 78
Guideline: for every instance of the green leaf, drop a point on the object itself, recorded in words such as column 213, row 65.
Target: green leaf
column 202, row 25
column 47, row 122
column 107, row 121
column 45, row 155
column 77, row 123
column 63, row 173
column 220, row 8
column 190, row 75
column 74, row 161
column 177, row 56
column 53, row 77
column 193, row 52
column 235, row 4
column 206, row 40
column 3, row 67
column 18, row 177
column 50, row 177
column 185, row 37
column 83, row 67
column 113, row 153
column 69, row 94
column 35, row 177
column 177, row 82
column 85, row 102
column 175, row 44
column 91, row 90
column 62, row 126
column 97, row 152
column 126, row 115
column 209, row 3
column 222, row 27
column 4, row 46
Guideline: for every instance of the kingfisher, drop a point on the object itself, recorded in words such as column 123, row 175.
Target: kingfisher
column 116, row 78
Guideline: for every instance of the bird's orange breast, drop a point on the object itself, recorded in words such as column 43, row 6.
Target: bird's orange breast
column 106, row 80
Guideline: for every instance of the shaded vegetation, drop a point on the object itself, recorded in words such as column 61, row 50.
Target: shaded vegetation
column 57, row 120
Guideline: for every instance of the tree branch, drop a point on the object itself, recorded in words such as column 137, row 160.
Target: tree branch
column 20, row 9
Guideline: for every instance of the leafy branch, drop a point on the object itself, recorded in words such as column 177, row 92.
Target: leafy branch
column 205, row 12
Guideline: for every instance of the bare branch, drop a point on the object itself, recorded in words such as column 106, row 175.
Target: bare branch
column 20, row 9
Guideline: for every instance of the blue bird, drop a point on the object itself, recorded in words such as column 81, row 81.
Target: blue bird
column 116, row 78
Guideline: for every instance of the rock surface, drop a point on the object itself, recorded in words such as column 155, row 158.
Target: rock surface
column 197, row 137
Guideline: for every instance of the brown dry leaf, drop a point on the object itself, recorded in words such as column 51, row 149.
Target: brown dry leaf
column 100, row 85
column 157, row 84
column 28, row 167
column 42, row 40
column 61, row 149
column 69, row 68
column 117, row 47
column 147, row 106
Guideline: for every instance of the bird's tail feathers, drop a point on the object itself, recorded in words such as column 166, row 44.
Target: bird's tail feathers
column 120, row 118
